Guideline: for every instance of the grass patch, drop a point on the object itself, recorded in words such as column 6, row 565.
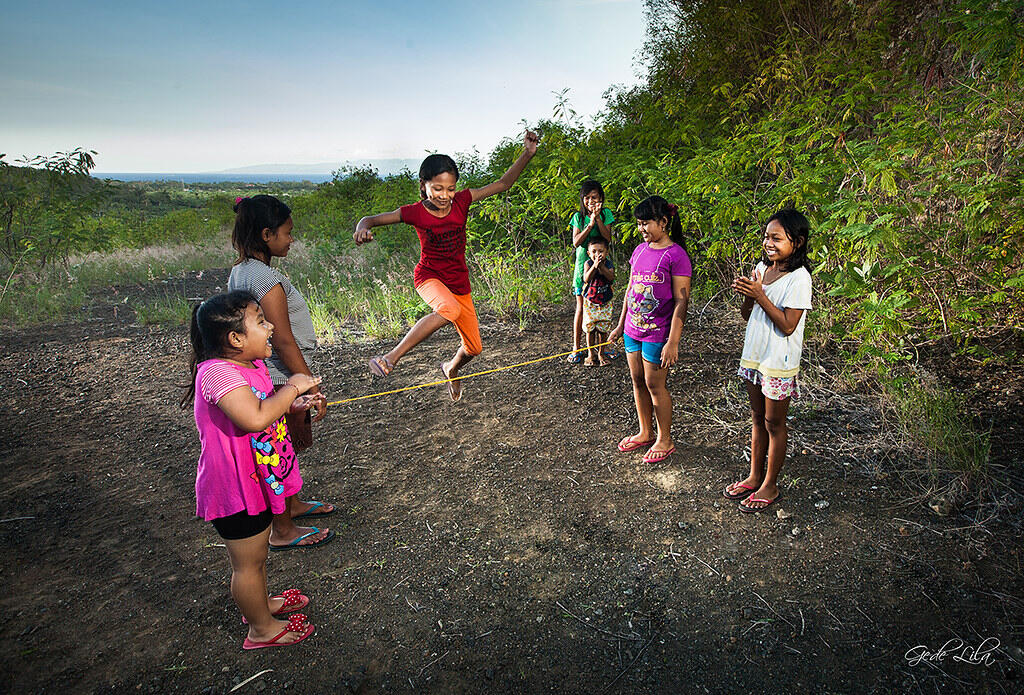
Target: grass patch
column 368, row 292
column 933, row 419
column 169, row 309
column 56, row 293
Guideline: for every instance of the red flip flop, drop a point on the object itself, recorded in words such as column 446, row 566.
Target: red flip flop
column 754, row 510
column 627, row 444
column 738, row 496
column 297, row 623
column 653, row 456
column 294, row 600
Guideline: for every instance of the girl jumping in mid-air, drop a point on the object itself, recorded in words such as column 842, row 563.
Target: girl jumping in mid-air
column 441, row 277
column 592, row 221
column 777, row 297
column 652, row 319
column 246, row 456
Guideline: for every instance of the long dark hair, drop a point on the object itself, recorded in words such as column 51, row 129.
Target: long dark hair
column 586, row 188
column 432, row 166
column 252, row 216
column 212, row 320
column 798, row 229
column 656, row 208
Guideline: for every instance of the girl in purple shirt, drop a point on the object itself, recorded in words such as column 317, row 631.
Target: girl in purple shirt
column 651, row 322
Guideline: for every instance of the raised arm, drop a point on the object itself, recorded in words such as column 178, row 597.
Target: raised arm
column 530, row 142
column 363, row 227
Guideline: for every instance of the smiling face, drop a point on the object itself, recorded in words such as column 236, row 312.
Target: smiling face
column 440, row 191
column 776, row 243
column 254, row 343
column 279, row 240
column 653, row 231
column 592, row 202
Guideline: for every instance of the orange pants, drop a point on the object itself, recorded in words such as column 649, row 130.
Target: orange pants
column 457, row 308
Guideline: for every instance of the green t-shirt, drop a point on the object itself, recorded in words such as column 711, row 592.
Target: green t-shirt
column 581, row 251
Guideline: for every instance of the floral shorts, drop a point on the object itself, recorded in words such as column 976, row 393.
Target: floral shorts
column 598, row 317
column 775, row 388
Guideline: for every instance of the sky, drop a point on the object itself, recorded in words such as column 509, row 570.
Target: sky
column 189, row 86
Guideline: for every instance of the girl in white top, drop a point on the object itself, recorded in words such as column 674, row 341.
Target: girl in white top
column 777, row 297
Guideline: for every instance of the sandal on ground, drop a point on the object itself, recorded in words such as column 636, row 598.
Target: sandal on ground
column 294, row 600
column 653, row 456
column 754, row 510
column 312, row 511
column 381, row 365
column 747, row 489
column 575, row 358
column 295, row 543
column 297, row 623
column 627, row 444
column 611, row 353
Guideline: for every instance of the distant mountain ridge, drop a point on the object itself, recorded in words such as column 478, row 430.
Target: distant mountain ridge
column 383, row 166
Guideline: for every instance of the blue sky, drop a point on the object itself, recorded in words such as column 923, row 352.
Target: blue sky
column 197, row 86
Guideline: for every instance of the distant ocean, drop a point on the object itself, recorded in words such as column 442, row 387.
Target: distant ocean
column 212, row 178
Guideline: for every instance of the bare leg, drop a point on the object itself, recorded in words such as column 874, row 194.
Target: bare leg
column 423, row 329
column 758, row 442
column 641, row 397
column 601, row 357
column 778, row 438
column 249, row 587
column 591, row 350
column 577, row 331
column 654, row 379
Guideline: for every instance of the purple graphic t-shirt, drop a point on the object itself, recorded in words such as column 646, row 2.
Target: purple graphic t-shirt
column 649, row 292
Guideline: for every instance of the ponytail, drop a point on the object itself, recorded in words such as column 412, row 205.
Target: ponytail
column 252, row 216
column 655, row 208
column 212, row 320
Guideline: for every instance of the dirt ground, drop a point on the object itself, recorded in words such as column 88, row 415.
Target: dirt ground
column 500, row 544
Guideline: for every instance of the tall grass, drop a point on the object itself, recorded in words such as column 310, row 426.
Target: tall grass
column 55, row 292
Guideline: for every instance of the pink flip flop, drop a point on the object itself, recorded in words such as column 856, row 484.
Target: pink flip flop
column 627, row 444
column 739, row 496
column 754, row 510
column 653, row 456
column 297, row 623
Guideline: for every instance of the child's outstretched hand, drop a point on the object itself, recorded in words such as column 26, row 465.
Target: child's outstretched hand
column 615, row 335
column 303, row 382
column 749, row 287
column 362, row 235
column 530, row 141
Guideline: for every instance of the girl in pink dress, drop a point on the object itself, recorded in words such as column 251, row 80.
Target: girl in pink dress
column 246, row 459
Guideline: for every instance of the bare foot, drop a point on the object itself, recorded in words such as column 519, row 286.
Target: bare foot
column 454, row 387
column 300, row 531
column 765, row 492
column 742, row 488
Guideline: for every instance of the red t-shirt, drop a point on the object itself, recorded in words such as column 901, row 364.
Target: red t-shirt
column 442, row 243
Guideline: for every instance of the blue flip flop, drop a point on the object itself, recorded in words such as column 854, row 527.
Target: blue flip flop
column 295, row 543
column 312, row 511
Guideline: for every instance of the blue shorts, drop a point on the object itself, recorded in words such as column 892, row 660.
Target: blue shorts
column 651, row 351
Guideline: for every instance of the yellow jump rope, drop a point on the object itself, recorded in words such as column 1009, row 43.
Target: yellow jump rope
column 466, row 376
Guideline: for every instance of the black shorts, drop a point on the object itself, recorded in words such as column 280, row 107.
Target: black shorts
column 242, row 525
